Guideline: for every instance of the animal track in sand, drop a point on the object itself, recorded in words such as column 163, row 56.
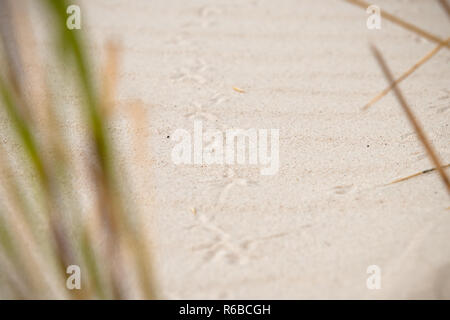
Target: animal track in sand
column 200, row 114
column 231, row 181
column 227, row 182
column 207, row 16
column 193, row 72
column 343, row 189
column 217, row 99
column 204, row 24
column 208, row 11
column 181, row 40
column 443, row 102
column 223, row 245
column 419, row 155
column 186, row 74
column 443, row 105
column 407, row 136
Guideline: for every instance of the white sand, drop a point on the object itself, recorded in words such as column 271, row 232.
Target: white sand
column 311, row 230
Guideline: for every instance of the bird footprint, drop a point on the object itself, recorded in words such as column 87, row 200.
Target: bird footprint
column 343, row 189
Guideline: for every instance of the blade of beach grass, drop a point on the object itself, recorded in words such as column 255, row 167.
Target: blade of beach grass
column 71, row 45
column 103, row 173
column 14, row 66
column 9, row 248
column 110, row 206
column 61, row 174
column 139, row 118
column 121, row 229
column 27, row 256
column 26, row 139
column 21, row 32
column 74, row 47
column 109, row 78
column 11, row 281
column 400, row 22
column 6, row 239
column 15, row 193
column 23, row 131
column 93, row 268
column 412, row 119
column 134, row 235
column 13, row 62
column 11, row 289
column 109, row 185
column 25, row 136
column 142, row 260
column 424, row 59
column 63, row 192
column 110, row 227
column 25, row 220
column 11, row 100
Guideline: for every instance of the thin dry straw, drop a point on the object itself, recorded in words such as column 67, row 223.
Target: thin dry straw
column 400, row 22
column 412, row 118
column 424, row 59
column 416, row 174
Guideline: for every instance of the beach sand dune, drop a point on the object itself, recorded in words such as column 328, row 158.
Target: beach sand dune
column 304, row 67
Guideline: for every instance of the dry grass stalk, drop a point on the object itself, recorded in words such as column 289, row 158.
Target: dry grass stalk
column 400, row 22
column 424, row 59
column 416, row 175
column 446, row 6
column 238, row 90
column 412, row 119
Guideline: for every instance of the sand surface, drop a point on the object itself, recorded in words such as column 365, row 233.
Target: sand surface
column 312, row 229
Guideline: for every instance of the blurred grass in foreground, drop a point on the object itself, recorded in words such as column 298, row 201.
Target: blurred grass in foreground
column 44, row 226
